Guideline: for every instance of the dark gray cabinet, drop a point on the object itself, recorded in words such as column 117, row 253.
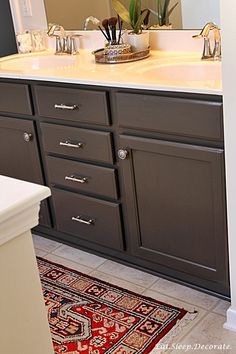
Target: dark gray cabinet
column 179, row 116
column 93, row 219
column 73, row 104
column 19, row 156
column 175, row 206
column 137, row 176
column 84, row 191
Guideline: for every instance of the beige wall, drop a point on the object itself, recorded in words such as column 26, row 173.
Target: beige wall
column 63, row 11
column 71, row 14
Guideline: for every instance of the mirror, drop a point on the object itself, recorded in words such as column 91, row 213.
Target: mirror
column 189, row 14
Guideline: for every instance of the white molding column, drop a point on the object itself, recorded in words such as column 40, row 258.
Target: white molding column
column 23, row 320
column 228, row 15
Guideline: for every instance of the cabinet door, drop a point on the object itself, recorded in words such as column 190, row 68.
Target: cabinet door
column 19, row 157
column 175, row 206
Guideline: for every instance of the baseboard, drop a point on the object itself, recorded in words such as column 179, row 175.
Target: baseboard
column 231, row 320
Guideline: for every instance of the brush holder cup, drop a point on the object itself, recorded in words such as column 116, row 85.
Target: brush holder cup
column 112, row 50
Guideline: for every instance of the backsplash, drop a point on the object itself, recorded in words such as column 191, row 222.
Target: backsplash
column 175, row 40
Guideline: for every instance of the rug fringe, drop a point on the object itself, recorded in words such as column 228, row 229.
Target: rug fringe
column 166, row 342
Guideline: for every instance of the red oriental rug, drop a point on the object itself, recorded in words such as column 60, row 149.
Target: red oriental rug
column 90, row 316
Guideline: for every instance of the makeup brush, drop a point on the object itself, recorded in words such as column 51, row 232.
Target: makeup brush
column 120, row 24
column 106, row 28
column 103, row 33
column 112, row 26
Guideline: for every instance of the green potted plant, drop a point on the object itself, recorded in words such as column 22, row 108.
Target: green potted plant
column 134, row 16
column 164, row 10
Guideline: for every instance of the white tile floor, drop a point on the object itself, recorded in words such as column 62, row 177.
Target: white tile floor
column 206, row 329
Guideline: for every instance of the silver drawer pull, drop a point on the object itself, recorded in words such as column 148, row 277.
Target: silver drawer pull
column 76, row 179
column 71, row 145
column 82, row 221
column 67, row 107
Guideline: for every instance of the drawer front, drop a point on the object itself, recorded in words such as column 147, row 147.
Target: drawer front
column 88, row 218
column 14, row 98
column 82, row 177
column 178, row 116
column 72, row 104
column 80, row 143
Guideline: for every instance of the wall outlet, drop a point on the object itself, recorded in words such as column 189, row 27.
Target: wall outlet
column 26, row 9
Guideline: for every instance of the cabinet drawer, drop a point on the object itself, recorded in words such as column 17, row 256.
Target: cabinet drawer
column 14, row 98
column 82, row 176
column 72, row 104
column 88, row 218
column 178, row 116
column 80, row 143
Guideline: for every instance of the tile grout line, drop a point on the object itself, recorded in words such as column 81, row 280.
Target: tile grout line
column 183, row 300
column 179, row 338
column 145, row 288
column 97, row 269
column 132, row 283
column 67, row 259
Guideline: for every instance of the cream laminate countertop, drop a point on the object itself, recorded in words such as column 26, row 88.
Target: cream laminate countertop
column 142, row 74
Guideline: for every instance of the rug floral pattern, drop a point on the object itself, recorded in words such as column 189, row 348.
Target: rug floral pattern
column 89, row 316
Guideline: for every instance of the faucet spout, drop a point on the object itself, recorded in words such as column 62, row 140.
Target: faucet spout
column 206, row 30
column 53, row 27
column 92, row 19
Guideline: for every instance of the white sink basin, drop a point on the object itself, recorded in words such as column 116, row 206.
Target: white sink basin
column 36, row 62
column 184, row 72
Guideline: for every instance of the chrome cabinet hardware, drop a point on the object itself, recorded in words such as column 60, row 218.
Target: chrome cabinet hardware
column 71, row 145
column 27, row 137
column 81, row 220
column 66, row 107
column 122, row 154
column 76, row 179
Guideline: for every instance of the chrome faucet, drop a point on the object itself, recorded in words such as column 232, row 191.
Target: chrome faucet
column 207, row 52
column 65, row 44
column 60, row 39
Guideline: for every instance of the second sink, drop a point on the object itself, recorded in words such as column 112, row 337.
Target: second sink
column 181, row 72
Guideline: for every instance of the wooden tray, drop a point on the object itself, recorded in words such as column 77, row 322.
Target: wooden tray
column 102, row 58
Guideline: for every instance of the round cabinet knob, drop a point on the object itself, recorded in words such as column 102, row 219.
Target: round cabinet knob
column 27, row 137
column 122, row 154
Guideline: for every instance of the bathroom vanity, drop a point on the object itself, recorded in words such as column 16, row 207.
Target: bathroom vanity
column 137, row 175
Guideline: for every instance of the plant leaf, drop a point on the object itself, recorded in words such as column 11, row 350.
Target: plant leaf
column 141, row 18
column 163, row 13
column 172, row 9
column 134, row 11
column 165, row 8
column 160, row 12
column 146, row 19
column 121, row 11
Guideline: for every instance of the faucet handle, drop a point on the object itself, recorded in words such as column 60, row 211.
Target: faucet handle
column 73, row 46
column 217, row 51
column 58, row 44
column 207, row 52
